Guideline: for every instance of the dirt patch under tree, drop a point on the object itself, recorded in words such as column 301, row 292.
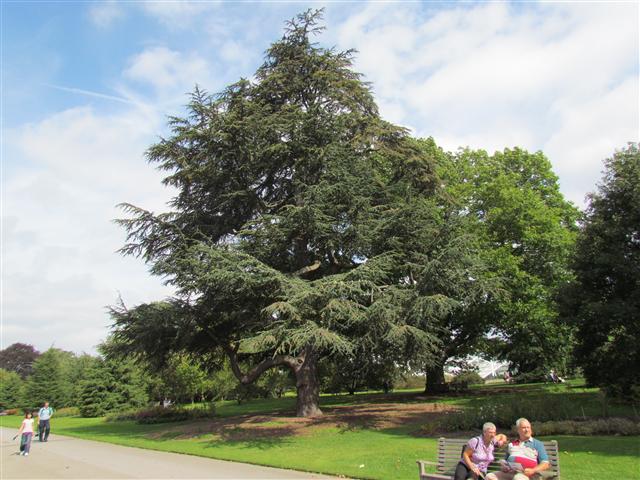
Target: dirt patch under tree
column 377, row 416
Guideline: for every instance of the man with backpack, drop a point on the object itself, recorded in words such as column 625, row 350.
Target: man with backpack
column 44, row 416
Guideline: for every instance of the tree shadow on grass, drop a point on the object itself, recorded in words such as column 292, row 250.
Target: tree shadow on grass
column 403, row 420
column 264, row 443
column 265, row 431
column 128, row 430
column 269, row 431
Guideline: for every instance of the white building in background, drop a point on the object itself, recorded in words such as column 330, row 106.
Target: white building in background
column 491, row 368
column 487, row 369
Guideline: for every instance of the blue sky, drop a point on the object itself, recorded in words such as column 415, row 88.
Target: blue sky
column 87, row 87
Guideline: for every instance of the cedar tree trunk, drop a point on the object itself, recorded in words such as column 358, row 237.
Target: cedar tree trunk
column 307, row 386
column 435, row 378
column 304, row 367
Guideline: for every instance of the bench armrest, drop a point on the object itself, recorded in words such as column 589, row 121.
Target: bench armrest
column 422, row 464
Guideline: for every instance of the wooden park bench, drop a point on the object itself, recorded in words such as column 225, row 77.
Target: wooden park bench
column 450, row 452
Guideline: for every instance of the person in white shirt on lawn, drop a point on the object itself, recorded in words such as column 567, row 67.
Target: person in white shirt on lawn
column 44, row 426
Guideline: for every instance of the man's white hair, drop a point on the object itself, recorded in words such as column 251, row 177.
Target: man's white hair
column 488, row 426
column 520, row 420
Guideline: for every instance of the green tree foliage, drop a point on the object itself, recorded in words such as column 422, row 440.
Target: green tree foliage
column 51, row 379
column 184, row 379
column 19, row 358
column 223, row 383
column 355, row 373
column 77, row 372
column 604, row 300
column 111, row 385
column 527, row 231
column 276, row 382
column 96, row 394
column 11, row 389
column 444, row 283
column 281, row 184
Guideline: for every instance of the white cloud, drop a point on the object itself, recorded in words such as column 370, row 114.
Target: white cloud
column 589, row 132
column 60, row 268
column 561, row 77
column 169, row 72
column 495, row 75
column 104, row 14
column 233, row 52
column 177, row 15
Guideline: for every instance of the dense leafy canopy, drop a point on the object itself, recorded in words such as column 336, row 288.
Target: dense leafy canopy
column 304, row 226
column 527, row 230
column 604, row 301
column 51, row 379
column 11, row 389
column 19, row 358
column 109, row 385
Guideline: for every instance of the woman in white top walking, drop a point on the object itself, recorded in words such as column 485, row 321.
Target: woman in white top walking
column 26, row 429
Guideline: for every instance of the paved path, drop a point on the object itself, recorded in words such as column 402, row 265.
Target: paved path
column 71, row 458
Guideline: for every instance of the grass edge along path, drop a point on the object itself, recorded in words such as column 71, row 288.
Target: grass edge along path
column 356, row 453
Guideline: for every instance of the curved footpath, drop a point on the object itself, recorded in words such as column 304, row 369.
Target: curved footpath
column 68, row 458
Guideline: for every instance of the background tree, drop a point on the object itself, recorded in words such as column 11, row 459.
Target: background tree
column 604, row 300
column 111, row 385
column 359, row 371
column 184, row 379
column 77, row 371
column 223, row 383
column 527, row 231
column 51, row 379
column 279, row 184
column 19, row 358
column 95, row 391
column 277, row 381
column 11, row 389
column 444, row 282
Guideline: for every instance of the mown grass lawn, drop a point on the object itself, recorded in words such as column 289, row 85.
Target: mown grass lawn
column 358, row 452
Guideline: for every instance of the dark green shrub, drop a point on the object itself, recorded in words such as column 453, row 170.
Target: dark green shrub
column 504, row 411
column 535, row 376
column 468, row 377
column 11, row 389
column 601, row 426
column 111, row 385
column 163, row 415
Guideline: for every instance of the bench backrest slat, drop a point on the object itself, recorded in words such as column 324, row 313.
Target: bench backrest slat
column 450, row 449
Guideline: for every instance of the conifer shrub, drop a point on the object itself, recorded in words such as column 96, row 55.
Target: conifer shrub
column 551, row 414
column 159, row 414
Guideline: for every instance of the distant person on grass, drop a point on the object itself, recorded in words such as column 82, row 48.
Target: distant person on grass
column 526, row 451
column 26, row 429
column 478, row 453
column 44, row 426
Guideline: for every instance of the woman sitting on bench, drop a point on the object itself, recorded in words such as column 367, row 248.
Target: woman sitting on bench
column 477, row 454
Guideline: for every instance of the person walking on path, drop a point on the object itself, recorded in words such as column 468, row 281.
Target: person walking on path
column 44, row 426
column 26, row 429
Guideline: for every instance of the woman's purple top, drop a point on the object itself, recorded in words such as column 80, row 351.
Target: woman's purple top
column 482, row 455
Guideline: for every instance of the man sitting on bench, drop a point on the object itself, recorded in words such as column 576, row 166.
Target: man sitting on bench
column 526, row 456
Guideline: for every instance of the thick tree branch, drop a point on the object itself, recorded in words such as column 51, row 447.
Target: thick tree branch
column 253, row 374
column 309, row 268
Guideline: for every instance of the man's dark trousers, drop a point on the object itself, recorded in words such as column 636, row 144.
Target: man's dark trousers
column 43, row 428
